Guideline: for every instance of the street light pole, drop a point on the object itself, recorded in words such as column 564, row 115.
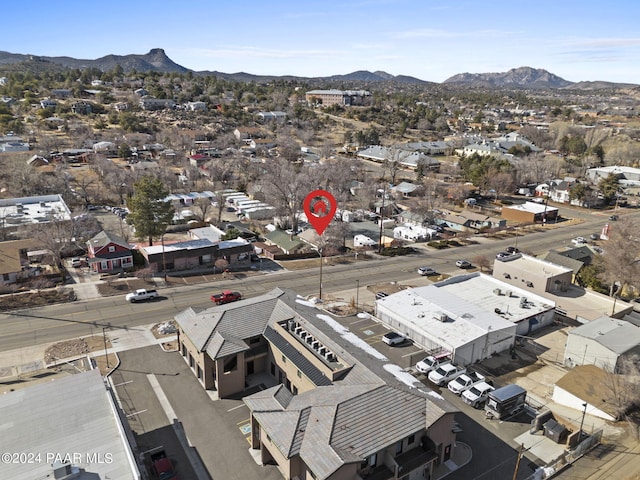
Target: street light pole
column 104, row 337
column 164, row 262
column 320, row 252
column 357, row 294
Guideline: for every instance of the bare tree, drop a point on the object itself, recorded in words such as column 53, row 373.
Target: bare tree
column 501, row 182
column 620, row 261
column 287, row 187
column 202, row 208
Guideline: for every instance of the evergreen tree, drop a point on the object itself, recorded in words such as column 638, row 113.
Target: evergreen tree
column 149, row 213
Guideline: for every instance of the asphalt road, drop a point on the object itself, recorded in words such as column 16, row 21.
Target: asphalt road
column 35, row 326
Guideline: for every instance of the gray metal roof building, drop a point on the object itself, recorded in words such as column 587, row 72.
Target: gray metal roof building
column 74, row 417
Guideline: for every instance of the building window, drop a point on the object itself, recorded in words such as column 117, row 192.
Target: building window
column 112, row 249
column 295, row 390
column 299, row 374
column 273, row 369
column 284, row 359
column 411, row 439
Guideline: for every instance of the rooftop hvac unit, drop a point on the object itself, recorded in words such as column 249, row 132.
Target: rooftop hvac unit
column 509, row 293
column 298, row 330
column 292, row 325
column 497, row 291
column 315, row 345
column 329, row 356
column 309, row 339
column 523, row 301
column 303, row 334
column 442, row 317
column 323, row 350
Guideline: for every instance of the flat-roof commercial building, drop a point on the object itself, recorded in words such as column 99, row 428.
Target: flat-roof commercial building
column 473, row 316
column 70, row 421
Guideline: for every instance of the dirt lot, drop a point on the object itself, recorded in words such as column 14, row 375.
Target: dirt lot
column 36, row 299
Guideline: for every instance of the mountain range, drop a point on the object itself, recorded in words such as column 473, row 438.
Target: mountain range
column 158, row 61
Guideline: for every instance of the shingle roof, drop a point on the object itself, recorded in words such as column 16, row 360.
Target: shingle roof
column 104, row 238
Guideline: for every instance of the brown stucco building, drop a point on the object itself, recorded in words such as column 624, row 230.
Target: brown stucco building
column 330, row 414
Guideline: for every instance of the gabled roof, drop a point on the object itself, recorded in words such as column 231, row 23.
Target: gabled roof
column 105, row 238
column 283, row 240
column 558, row 258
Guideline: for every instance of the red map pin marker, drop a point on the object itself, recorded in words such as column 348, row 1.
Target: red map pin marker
column 320, row 206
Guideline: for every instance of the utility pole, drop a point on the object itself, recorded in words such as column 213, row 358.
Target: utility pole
column 384, row 194
column 520, row 452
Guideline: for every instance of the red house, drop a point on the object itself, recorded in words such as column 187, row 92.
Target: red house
column 109, row 253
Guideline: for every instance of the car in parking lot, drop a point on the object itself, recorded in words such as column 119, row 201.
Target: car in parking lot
column 501, row 255
column 393, row 338
column 579, row 241
column 426, row 271
column 512, row 250
column 76, row 262
column 463, row 264
column 594, row 236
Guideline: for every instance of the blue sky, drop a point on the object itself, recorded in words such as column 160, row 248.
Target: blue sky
column 428, row 39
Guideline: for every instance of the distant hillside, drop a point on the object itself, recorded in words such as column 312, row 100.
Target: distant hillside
column 157, row 60
column 523, row 77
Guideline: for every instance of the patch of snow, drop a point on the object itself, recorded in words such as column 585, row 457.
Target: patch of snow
column 363, row 315
column 401, row 375
column 304, row 302
column 433, row 394
column 351, row 337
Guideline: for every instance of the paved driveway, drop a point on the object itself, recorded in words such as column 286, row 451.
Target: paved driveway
column 216, row 429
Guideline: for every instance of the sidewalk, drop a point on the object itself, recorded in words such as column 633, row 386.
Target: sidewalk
column 26, row 361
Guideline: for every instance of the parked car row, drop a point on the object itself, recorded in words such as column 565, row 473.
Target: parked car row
column 472, row 387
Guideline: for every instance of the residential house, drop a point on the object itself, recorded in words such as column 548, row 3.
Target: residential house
column 37, row 161
column 573, row 258
column 61, row 92
column 81, row 108
column 245, row 133
column 320, row 414
column 15, row 262
column 404, row 189
column 108, row 253
column 608, row 343
column 48, row 103
column 289, row 244
column 468, row 221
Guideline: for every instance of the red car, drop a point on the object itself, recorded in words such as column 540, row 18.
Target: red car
column 227, row 296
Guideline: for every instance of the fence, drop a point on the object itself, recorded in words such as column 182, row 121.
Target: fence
column 556, row 466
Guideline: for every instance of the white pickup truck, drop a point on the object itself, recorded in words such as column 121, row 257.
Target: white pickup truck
column 477, row 395
column 465, row 382
column 445, row 373
column 140, row 295
column 431, row 363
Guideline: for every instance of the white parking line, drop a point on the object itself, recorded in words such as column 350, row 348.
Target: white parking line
column 235, row 408
column 164, row 401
